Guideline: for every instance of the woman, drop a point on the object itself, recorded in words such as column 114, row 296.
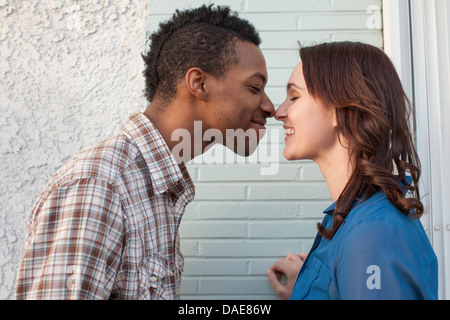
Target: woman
column 346, row 110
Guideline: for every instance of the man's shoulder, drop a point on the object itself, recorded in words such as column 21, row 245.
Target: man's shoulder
column 103, row 161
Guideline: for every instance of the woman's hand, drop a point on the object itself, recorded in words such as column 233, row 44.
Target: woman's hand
column 290, row 267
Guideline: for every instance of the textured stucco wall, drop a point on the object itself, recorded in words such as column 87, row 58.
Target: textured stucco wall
column 70, row 73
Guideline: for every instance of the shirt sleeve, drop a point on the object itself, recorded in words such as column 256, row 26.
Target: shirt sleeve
column 74, row 243
column 379, row 260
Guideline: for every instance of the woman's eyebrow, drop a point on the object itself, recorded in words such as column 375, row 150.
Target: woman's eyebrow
column 291, row 84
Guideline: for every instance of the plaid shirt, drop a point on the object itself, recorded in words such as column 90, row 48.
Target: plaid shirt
column 106, row 225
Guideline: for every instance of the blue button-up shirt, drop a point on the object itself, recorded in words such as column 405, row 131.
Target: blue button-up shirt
column 377, row 253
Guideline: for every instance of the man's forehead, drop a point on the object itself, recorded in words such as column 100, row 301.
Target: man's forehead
column 251, row 60
column 259, row 75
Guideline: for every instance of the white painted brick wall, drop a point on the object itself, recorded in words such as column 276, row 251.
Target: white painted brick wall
column 241, row 221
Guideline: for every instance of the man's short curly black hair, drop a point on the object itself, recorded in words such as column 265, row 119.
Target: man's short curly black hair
column 204, row 37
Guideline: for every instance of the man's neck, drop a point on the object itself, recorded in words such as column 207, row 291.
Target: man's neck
column 159, row 120
column 170, row 119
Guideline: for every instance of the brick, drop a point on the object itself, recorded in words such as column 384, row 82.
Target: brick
column 283, row 229
column 334, row 21
column 220, row 191
column 259, row 266
column 189, row 247
column 367, row 36
column 213, row 229
column 189, row 285
column 278, row 57
column 242, row 210
column 279, row 78
column 217, row 267
column 287, row 191
column 314, row 209
column 273, row 21
column 271, row 6
column 237, row 285
column 353, row 5
column 281, row 47
column 247, row 248
column 246, row 173
column 278, row 94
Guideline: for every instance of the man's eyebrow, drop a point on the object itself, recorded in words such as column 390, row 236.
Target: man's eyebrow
column 259, row 75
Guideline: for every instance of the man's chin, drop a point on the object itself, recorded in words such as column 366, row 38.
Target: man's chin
column 244, row 143
column 243, row 150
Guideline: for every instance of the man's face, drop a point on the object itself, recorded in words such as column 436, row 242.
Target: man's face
column 238, row 103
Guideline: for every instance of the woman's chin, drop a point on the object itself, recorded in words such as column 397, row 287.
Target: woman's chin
column 289, row 156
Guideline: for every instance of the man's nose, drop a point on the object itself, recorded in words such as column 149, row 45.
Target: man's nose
column 268, row 107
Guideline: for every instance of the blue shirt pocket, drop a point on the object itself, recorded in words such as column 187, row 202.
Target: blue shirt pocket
column 313, row 282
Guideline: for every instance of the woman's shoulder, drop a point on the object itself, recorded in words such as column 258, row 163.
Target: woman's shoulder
column 378, row 209
column 379, row 224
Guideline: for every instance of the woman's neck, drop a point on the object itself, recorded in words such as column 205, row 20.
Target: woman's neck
column 337, row 170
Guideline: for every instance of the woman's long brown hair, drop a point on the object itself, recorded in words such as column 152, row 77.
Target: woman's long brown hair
column 373, row 114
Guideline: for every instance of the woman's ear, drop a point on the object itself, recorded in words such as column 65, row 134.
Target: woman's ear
column 195, row 83
column 335, row 121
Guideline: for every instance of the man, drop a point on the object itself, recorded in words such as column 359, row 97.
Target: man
column 106, row 225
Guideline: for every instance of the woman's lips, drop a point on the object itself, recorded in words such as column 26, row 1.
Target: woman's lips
column 288, row 131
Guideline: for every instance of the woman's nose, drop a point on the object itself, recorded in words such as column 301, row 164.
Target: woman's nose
column 280, row 114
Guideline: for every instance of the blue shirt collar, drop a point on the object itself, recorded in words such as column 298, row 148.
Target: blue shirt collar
column 330, row 209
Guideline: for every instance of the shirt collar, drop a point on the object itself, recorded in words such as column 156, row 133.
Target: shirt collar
column 330, row 209
column 164, row 170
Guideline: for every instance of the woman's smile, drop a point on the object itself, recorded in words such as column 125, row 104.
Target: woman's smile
column 288, row 131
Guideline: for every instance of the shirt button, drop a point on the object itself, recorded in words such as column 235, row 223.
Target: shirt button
column 153, row 281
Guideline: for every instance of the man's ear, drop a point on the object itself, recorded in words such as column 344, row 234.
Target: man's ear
column 195, row 83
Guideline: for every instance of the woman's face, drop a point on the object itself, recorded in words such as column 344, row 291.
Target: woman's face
column 310, row 126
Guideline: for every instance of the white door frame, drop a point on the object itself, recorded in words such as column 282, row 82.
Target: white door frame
column 416, row 37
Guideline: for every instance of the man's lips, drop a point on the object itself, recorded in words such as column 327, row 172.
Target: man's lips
column 261, row 122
